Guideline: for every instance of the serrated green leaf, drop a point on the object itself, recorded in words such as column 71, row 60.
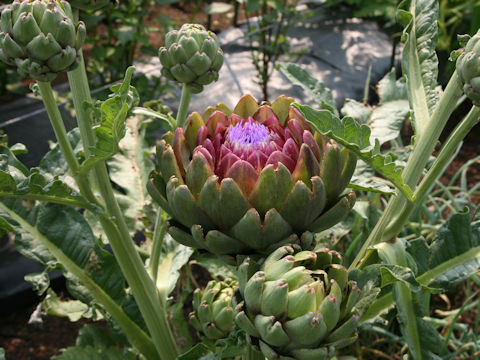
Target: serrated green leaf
column 390, row 88
column 217, row 268
column 313, row 87
column 129, row 170
column 356, row 138
column 395, row 254
column 17, row 182
column 58, row 235
column 174, row 256
column 91, row 335
column 419, row 60
column 54, row 163
column 385, row 119
column 454, row 252
column 394, row 273
column 112, row 123
column 364, row 179
column 168, row 122
column 453, row 256
column 40, row 281
column 73, row 309
column 358, row 111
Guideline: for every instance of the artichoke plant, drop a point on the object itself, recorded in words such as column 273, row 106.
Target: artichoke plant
column 90, row 4
column 468, row 69
column 40, row 38
column 300, row 305
column 250, row 180
column 191, row 56
column 214, row 309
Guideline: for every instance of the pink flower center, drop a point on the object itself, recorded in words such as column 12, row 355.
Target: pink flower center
column 247, row 135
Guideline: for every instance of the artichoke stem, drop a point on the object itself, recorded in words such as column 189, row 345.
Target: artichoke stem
column 62, row 138
column 143, row 288
column 81, row 95
column 158, row 236
column 438, row 167
column 183, row 107
column 413, row 170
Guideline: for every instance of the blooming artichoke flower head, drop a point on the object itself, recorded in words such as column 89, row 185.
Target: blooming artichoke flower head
column 468, row 68
column 214, row 309
column 90, row 4
column 300, row 305
column 40, row 38
column 251, row 179
column 191, row 56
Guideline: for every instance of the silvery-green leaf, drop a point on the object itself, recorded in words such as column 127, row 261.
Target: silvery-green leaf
column 419, row 60
column 313, row 87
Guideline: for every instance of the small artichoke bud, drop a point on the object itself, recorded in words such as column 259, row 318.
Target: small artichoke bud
column 90, row 4
column 214, row 309
column 468, row 69
column 300, row 305
column 40, row 38
column 191, row 56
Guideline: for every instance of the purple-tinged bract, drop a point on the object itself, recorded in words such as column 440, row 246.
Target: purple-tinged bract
column 251, row 179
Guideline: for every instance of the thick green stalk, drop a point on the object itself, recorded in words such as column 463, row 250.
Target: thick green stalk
column 143, row 288
column 438, row 167
column 134, row 333
column 183, row 107
column 85, row 189
column 62, row 138
column 81, row 97
column 423, row 148
column 157, row 243
column 382, row 304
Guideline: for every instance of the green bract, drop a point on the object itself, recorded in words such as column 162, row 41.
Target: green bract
column 90, row 4
column 300, row 305
column 214, row 309
column 250, row 180
column 40, row 38
column 468, row 69
column 191, row 56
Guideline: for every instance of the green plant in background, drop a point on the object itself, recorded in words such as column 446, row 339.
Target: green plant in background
column 10, row 81
column 456, row 17
column 225, row 177
column 267, row 35
column 118, row 35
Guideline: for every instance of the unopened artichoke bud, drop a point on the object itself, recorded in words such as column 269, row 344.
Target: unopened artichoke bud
column 40, row 38
column 90, row 4
column 191, row 56
column 300, row 305
column 249, row 180
column 468, row 69
column 214, row 309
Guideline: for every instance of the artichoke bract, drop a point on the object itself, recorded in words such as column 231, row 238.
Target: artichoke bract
column 250, row 180
column 214, row 309
column 191, row 56
column 40, row 38
column 468, row 69
column 90, row 4
column 300, row 305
